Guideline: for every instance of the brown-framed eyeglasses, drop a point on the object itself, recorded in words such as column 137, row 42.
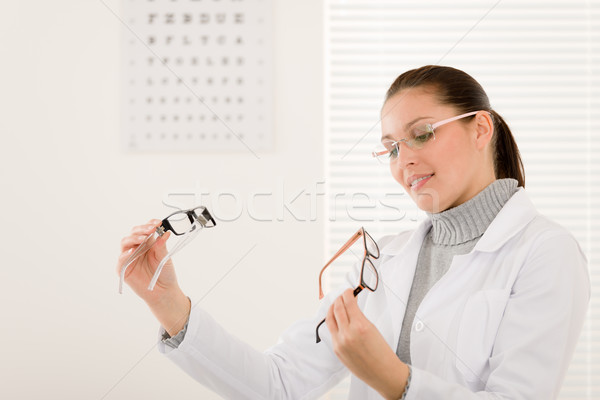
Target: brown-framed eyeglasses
column 369, row 278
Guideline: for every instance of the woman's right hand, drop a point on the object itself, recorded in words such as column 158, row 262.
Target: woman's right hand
column 141, row 271
column 168, row 303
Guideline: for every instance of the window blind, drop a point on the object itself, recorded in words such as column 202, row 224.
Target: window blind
column 538, row 62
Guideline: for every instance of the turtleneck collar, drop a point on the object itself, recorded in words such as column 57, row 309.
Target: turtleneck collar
column 470, row 219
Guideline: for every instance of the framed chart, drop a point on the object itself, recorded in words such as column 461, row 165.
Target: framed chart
column 197, row 75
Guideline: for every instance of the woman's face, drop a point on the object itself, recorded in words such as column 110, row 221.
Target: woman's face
column 457, row 165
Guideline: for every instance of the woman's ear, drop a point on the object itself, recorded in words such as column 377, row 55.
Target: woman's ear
column 484, row 128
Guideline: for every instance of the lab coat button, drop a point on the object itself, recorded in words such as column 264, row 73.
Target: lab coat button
column 419, row 326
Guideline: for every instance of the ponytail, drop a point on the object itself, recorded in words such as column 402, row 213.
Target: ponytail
column 507, row 162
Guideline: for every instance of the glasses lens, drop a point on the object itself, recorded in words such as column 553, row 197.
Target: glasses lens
column 180, row 222
column 386, row 151
column 421, row 135
column 370, row 279
column 371, row 245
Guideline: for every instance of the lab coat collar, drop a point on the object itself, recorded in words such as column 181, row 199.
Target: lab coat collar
column 516, row 213
column 511, row 219
column 398, row 271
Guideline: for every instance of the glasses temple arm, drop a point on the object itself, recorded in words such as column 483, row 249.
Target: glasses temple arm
column 321, row 276
column 440, row 123
column 379, row 153
column 318, row 326
column 141, row 249
column 345, row 247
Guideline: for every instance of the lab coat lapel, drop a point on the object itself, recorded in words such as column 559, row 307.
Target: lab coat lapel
column 396, row 276
column 512, row 218
column 399, row 261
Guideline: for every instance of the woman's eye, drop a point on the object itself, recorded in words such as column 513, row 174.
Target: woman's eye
column 422, row 138
column 420, row 134
column 391, row 148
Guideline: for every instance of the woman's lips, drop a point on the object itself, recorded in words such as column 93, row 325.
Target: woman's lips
column 419, row 183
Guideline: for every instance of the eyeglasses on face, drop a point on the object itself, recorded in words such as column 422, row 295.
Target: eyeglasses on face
column 369, row 278
column 419, row 135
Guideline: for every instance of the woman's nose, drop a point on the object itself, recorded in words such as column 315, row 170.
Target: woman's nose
column 406, row 155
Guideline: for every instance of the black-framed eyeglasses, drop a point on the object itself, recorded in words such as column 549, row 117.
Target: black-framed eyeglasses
column 369, row 278
column 181, row 222
column 185, row 223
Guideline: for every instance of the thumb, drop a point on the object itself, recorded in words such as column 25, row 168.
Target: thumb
column 161, row 245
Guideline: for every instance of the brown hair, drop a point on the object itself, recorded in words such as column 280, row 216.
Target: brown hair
column 458, row 89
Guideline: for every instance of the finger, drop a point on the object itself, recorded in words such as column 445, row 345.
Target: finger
column 331, row 322
column 122, row 258
column 131, row 241
column 351, row 304
column 133, row 253
column 124, row 255
column 148, row 226
column 339, row 310
column 143, row 229
column 160, row 246
column 162, row 239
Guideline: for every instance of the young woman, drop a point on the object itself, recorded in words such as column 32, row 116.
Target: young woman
column 484, row 300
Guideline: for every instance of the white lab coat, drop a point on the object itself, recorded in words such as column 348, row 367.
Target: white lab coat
column 502, row 323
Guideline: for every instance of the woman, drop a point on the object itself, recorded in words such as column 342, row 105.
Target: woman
column 484, row 300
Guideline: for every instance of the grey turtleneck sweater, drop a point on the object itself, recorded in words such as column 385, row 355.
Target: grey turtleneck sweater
column 453, row 232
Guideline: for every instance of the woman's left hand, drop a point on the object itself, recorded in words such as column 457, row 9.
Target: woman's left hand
column 359, row 345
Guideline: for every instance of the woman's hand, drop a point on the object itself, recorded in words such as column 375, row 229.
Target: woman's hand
column 167, row 301
column 359, row 345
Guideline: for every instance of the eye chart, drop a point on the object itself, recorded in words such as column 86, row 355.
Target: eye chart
column 197, row 76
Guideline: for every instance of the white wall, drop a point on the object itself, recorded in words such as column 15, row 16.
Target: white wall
column 69, row 194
